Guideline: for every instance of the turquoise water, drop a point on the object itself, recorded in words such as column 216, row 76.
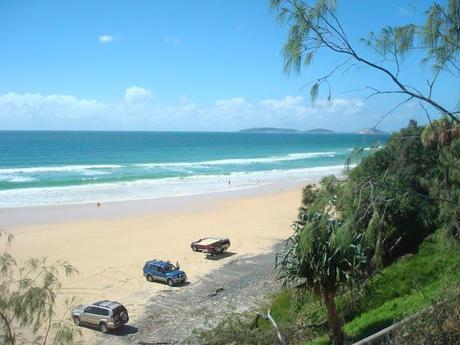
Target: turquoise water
column 54, row 167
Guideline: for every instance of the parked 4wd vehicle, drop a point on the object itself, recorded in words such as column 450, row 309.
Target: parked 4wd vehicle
column 106, row 315
column 211, row 245
column 164, row 271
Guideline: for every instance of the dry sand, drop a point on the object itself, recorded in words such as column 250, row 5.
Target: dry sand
column 110, row 250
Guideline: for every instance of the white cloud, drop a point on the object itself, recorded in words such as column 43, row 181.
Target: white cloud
column 232, row 103
column 346, row 106
column 135, row 111
column 62, row 106
column 172, row 40
column 106, row 38
column 137, row 94
column 286, row 103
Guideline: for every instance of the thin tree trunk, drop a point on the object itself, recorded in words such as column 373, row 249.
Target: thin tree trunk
column 11, row 336
column 334, row 322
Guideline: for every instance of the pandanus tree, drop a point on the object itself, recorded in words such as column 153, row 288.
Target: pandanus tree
column 323, row 255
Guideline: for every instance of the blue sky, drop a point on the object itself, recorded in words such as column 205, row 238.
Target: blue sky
column 184, row 65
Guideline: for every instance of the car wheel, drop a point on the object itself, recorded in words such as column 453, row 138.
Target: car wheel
column 103, row 327
column 195, row 249
column 124, row 317
column 76, row 320
column 170, row 282
column 149, row 278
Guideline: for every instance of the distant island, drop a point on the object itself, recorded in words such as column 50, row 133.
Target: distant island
column 318, row 130
column 370, row 131
column 283, row 130
column 268, row 130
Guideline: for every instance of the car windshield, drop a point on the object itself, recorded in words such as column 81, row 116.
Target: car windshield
column 170, row 268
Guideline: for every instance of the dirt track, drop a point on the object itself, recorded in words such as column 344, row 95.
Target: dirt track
column 241, row 284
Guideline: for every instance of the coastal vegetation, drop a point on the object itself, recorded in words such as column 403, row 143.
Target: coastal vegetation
column 28, row 307
column 375, row 249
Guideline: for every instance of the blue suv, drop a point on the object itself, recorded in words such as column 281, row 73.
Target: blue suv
column 164, row 271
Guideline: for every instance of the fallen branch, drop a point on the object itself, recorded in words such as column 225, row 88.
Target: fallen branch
column 217, row 291
column 272, row 321
column 313, row 325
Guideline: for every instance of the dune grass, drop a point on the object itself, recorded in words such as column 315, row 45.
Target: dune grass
column 408, row 286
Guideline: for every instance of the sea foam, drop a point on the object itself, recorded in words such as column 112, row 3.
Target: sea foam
column 64, row 168
column 159, row 188
column 242, row 161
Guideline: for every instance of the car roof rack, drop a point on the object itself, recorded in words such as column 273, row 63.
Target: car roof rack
column 107, row 304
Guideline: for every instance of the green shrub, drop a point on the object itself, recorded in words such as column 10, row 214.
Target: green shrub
column 407, row 286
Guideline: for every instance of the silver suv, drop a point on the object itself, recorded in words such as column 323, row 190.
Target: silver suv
column 106, row 315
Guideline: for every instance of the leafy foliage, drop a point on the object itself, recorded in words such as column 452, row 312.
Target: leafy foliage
column 390, row 203
column 406, row 287
column 444, row 136
column 234, row 329
column 323, row 255
column 28, row 294
column 441, row 34
column 314, row 26
column 387, row 199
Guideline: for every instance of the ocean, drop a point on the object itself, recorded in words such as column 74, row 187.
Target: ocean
column 70, row 167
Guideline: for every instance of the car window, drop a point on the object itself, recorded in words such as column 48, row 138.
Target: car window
column 102, row 311
column 153, row 268
column 91, row 310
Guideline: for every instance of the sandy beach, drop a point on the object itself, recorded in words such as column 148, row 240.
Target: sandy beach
column 110, row 244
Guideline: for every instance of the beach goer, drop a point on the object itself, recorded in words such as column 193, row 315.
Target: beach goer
column 98, row 204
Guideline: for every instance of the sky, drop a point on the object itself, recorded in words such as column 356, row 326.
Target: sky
column 204, row 65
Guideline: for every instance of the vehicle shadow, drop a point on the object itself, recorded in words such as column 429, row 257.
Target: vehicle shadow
column 186, row 283
column 125, row 330
column 221, row 256
column 119, row 332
